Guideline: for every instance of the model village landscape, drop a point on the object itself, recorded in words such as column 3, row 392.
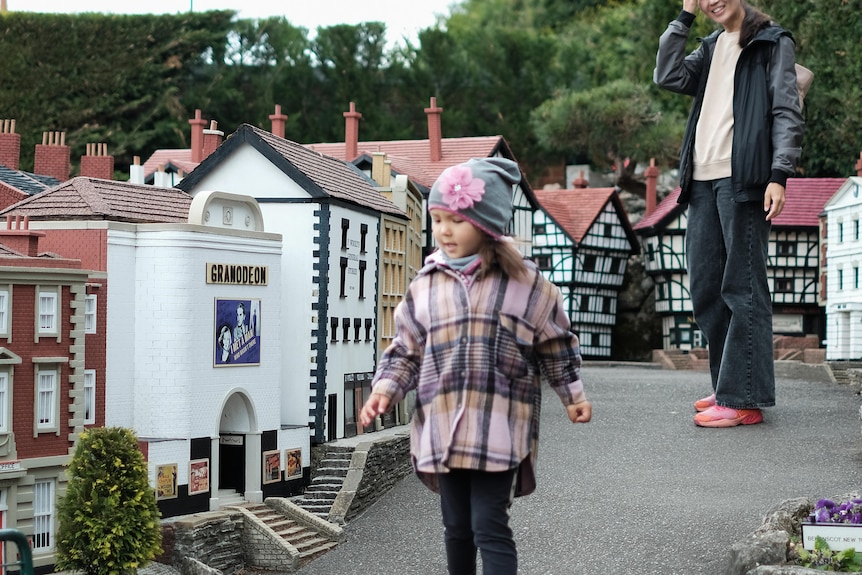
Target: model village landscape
column 251, row 280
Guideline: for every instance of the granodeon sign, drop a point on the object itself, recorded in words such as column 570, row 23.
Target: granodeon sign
column 237, row 274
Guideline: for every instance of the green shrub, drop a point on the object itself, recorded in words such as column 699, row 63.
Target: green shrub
column 108, row 519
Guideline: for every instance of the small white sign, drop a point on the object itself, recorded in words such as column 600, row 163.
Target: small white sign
column 839, row 536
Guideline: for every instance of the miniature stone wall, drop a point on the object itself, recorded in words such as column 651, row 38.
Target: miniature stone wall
column 213, row 539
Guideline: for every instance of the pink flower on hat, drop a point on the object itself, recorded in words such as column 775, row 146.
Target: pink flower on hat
column 459, row 189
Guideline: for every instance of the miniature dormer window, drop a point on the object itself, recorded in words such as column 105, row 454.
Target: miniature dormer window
column 345, row 226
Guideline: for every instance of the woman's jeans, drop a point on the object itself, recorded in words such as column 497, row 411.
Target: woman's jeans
column 726, row 246
column 475, row 506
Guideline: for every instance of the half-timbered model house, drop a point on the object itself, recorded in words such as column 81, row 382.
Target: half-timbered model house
column 793, row 265
column 843, row 259
column 47, row 394
column 329, row 214
column 582, row 240
column 422, row 161
column 186, row 329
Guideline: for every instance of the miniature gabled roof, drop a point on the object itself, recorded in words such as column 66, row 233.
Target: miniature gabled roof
column 318, row 174
column 413, row 157
column 575, row 211
column 179, row 158
column 853, row 184
column 667, row 211
column 26, row 182
column 84, row 198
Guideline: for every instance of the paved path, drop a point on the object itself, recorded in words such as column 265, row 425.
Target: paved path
column 640, row 490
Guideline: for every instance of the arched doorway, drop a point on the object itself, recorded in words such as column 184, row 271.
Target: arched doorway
column 237, row 451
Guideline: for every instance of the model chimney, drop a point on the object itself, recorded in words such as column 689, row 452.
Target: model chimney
column 651, row 175
column 96, row 163
column 859, row 166
column 435, row 133
column 351, row 133
column 136, row 171
column 581, row 182
column 381, row 169
column 10, row 145
column 278, row 121
column 53, row 156
column 212, row 139
column 17, row 236
column 198, row 124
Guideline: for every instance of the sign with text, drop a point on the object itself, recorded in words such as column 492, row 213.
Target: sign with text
column 839, row 536
column 237, row 274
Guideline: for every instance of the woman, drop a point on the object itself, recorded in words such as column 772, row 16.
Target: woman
column 742, row 142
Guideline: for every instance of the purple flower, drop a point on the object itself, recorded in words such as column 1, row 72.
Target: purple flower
column 459, row 189
column 822, row 515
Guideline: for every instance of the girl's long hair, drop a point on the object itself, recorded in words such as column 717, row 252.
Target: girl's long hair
column 502, row 255
column 753, row 22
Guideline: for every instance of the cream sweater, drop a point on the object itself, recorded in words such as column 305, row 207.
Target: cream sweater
column 713, row 143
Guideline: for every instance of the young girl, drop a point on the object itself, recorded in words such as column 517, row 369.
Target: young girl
column 742, row 142
column 478, row 328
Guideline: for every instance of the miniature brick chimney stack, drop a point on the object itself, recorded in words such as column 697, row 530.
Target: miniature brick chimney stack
column 96, row 163
column 136, row 171
column 859, row 166
column 212, row 139
column 198, row 124
column 18, row 236
column 2, row 6
column 351, row 133
column 435, row 132
column 10, row 145
column 651, row 175
column 278, row 121
column 580, row 182
column 53, row 156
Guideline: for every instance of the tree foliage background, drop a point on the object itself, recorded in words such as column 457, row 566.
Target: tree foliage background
column 561, row 80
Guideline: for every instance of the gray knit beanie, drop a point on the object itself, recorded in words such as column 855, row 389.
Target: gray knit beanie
column 480, row 191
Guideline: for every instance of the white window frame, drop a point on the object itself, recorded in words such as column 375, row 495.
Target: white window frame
column 46, row 399
column 4, row 402
column 89, row 396
column 90, row 306
column 4, row 311
column 47, row 307
column 43, row 515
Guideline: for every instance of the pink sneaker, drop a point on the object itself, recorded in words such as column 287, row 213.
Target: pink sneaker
column 718, row 416
column 705, row 403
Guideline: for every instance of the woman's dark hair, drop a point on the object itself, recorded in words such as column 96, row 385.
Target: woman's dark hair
column 753, row 22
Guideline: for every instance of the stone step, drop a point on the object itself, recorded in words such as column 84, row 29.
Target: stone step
column 321, row 494
column 317, row 551
column 332, row 472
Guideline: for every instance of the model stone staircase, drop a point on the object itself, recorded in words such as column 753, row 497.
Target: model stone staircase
column 309, row 542
column 326, row 481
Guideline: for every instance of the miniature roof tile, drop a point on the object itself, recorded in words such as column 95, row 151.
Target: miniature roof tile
column 83, row 198
column 413, row 157
column 576, row 210
column 25, row 181
column 181, row 158
column 805, row 200
column 667, row 210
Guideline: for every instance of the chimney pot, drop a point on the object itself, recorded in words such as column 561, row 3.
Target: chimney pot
column 197, row 124
column 351, row 133
column 53, row 156
column 278, row 121
column 651, row 175
column 10, row 145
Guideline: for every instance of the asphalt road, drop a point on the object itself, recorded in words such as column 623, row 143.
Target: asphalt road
column 640, row 490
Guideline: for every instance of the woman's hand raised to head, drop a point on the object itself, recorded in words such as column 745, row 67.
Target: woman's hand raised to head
column 690, row 6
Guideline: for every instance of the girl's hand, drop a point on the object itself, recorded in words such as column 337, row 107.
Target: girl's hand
column 376, row 405
column 580, row 412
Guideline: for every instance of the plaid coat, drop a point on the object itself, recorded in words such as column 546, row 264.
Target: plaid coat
column 476, row 351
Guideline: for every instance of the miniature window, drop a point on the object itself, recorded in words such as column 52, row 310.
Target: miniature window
column 590, row 261
column 46, row 399
column 90, row 314
column 43, row 515
column 357, row 328
column 840, row 232
column 89, row 396
column 345, row 226
column 47, row 312
column 333, row 329
column 363, row 231
column 4, row 312
column 345, row 328
column 543, row 262
column 343, row 287
column 539, row 230
column 840, row 279
column 368, row 323
column 4, row 402
column 784, row 285
column 786, row 248
column 362, row 265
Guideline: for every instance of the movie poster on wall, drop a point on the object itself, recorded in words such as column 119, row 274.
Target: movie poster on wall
column 237, row 332
column 199, row 476
column 166, row 481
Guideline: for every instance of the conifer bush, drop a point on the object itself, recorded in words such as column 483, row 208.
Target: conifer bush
column 108, row 518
